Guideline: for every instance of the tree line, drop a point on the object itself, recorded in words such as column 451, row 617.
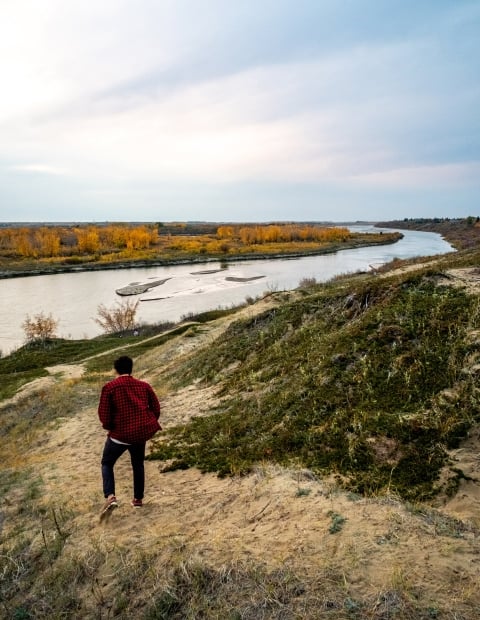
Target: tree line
column 276, row 233
column 63, row 241
column 52, row 241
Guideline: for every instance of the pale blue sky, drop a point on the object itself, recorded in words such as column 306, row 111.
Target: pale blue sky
column 239, row 110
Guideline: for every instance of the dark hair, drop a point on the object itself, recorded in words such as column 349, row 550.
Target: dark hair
column 123, row 365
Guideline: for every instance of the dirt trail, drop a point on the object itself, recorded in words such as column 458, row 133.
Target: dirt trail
column 274, row 516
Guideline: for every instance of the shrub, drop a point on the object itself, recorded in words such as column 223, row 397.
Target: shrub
column 307, row 282
column 118, row 318
column 39, row 328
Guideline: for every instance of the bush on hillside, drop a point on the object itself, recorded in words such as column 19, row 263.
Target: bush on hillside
column 39, row 328
column 118, row 318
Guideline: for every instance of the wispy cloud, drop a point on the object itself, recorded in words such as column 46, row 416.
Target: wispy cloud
column 39, row 169
column 439, row 176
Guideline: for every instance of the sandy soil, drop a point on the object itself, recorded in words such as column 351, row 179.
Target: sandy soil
column 274, row 516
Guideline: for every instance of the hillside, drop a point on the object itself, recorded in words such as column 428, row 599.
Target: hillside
column 462, row 233
column 343, row 419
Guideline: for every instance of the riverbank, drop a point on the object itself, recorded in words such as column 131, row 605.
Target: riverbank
column 24, row 268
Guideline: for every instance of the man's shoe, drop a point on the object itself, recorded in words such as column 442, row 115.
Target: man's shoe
column 137, row 503
column 110, row 504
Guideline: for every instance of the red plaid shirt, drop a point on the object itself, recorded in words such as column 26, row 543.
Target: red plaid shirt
column 129, row 410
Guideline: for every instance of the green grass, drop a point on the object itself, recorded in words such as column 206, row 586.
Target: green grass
column 349, row 380
column 21, row 419
column 13, row 381
column 337, row 522
column 137, row 347
column 29, row 362
column 210, row 315
column 56, row 351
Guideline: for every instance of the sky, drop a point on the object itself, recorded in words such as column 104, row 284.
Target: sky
column 239, row 110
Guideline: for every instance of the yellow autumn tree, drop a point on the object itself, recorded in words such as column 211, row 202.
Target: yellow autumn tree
column 23, row 243
column 225, row 232
column 39, row 328
column 88, row 240
column 47, row 241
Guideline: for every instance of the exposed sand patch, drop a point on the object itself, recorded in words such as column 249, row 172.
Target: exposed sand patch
column 136, row 288
column 239, row 279
column 468, row 278
column 466, row 502
column 66, row 371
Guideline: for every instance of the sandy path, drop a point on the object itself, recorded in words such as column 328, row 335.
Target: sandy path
column 275, row 516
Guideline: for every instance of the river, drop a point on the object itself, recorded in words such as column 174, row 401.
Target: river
column 73, row 298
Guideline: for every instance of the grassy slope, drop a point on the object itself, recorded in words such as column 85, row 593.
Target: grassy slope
column 30, row 361
column 367, row 377
column 361, row 377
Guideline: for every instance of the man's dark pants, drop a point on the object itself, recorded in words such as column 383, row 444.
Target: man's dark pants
column 111, row 453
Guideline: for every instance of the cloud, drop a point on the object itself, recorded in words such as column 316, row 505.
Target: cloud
column 121, row 92
column 438, row 176
column 39, row 169
column 324, row 119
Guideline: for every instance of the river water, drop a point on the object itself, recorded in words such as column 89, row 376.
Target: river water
column 73, row 298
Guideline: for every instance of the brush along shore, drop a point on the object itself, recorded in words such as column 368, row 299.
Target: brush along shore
column 13, row 267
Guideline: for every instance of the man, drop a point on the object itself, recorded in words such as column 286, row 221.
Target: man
column 129, row 411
